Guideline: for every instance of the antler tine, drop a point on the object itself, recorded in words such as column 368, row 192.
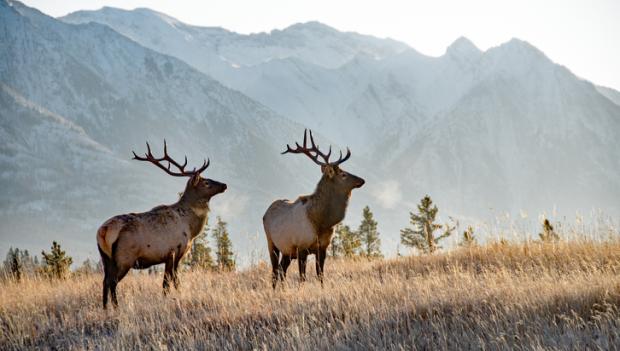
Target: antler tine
column 204, row 166
column 135, row 157
column 306, row 132
column 329, row 154
column 346, row 157
column 316, row 149
column 314, row 146
column 148, row 148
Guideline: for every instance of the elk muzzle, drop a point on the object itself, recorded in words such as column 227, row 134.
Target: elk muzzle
column 219, row 187
column 359, row 182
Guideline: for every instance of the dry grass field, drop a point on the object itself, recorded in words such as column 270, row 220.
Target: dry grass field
column 501, row 296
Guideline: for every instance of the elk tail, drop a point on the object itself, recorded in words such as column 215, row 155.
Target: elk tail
column 106, row 236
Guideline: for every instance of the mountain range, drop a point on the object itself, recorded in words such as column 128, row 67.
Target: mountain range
column 505, row 129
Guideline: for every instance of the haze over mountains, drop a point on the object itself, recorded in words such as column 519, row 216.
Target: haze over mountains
column 506, row 128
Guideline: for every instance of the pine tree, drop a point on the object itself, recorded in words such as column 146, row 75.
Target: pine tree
column 351, row 243
column 422, row 235
column 13, row 263
column 367, row 232
column 345, row 243
column 468, row 239
column 548, row 234
column 57, row 263
column 200, row 256
column 224, row 254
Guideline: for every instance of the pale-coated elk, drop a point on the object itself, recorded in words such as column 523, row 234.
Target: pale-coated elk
column 296, row 229
column 161, row 235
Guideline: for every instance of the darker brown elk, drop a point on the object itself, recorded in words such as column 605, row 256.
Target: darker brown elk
column 296, row 229
column 161, row 235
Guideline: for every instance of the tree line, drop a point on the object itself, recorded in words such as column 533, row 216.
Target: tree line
column 54, row 264
column 365, row 242
column 424, row 235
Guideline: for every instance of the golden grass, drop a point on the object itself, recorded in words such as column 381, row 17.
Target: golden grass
column 531, row 296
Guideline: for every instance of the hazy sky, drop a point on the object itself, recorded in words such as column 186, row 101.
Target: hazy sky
column 582, row 35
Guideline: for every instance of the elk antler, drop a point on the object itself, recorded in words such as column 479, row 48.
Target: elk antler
column 157, row 162
column 314, row 149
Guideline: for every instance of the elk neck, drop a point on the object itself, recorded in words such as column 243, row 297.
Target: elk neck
column 196, row 211
column 327, row 205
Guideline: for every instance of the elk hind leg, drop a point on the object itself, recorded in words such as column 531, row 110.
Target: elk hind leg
column 168, row 273
column 175, row 273
column 320, row 263
column 120, row 273
column 302, row 257
column 108, row 271
column 274, row 256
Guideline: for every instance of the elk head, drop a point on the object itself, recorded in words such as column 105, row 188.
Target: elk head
column 198, row 190
column 334, row 177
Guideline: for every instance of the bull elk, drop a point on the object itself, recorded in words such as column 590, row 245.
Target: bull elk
column 161, row 235
column 305, row 226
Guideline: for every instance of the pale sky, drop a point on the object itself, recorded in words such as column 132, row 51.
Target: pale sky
column 581, row 35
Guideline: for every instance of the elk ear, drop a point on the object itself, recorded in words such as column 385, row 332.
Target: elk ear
column 195, row 179
column 328, row 170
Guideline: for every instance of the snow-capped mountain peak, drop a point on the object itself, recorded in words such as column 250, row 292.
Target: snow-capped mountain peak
column 310, row 27
column 463, row 48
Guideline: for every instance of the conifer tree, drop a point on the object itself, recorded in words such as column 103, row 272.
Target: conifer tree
column 422, row 235
column 13, row 263
column 548, row 234
column 468, row 239
column 368, row 234
column 200, row 256
column 224, row 254
column 57, row 263
column 349, row 241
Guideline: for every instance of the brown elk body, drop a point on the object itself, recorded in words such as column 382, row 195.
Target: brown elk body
column 161, row 235
column 296, row 229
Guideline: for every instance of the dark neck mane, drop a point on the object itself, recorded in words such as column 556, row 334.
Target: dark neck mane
column 195, row 212
column 327, row 205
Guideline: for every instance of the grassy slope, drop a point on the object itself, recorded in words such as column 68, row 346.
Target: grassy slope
column 563, row 296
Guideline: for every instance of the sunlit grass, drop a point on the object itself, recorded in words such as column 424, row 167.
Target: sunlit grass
column 526, row 296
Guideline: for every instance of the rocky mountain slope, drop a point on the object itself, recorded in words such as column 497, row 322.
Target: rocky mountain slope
column 111, row 95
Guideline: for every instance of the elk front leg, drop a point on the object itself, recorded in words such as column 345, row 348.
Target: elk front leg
column 320, row 262
column 286, row 261
column 168, row 273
